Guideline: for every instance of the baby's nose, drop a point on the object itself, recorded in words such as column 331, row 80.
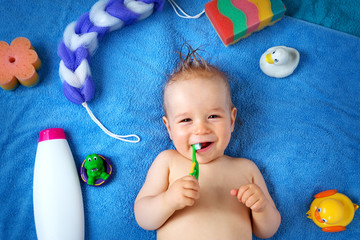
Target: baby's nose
column 201, row 128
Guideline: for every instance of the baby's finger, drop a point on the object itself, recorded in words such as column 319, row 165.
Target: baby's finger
column 234, row 192
column 251, row 201
column 247, row 196
column 185, row 202
column 191, row 184
column 257, row 206
column 192, row 194
column 242, row 193
column 189, row 178
column 188, row 202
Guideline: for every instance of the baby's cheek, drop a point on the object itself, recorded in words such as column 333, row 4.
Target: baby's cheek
column 182, row 147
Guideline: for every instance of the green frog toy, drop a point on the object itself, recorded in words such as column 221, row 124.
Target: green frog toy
column 95, row 169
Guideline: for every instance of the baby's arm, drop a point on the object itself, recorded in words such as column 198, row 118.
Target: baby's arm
column 156, row 201
column 265, row 217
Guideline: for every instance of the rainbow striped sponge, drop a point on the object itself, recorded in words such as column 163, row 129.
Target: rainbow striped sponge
column 237, row 19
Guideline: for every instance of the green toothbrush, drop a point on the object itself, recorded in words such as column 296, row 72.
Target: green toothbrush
column 194, row 171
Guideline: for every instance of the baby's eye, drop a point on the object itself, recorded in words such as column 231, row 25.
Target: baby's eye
column 95, row 158
column 213, row 116
column 89, row 159
column 185, row 120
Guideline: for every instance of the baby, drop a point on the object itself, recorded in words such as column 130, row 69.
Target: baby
column 230, row 200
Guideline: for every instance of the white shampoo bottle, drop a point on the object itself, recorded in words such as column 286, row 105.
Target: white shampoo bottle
column 57, row 198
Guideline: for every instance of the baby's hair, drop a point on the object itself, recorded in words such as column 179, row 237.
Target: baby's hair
column 191, row 65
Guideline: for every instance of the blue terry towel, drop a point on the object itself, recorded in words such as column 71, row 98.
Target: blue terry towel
column 302, row 131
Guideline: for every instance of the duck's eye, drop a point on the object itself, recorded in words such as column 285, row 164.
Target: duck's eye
column 274, row 52
column 89, row 159
column 324, row 220
column 276, row 60
column 319, row 210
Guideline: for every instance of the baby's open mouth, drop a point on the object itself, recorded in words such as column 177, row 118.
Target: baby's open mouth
column 94, row 169
column 205, row 144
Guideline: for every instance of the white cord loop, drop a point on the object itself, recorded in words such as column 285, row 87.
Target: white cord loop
column 185, row 15
column 119, row 137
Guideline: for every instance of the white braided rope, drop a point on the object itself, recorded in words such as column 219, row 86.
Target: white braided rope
column 99, row 18
column 77, row 78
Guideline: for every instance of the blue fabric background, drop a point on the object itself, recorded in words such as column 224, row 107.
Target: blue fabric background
column 340, row 15
column 302, row 131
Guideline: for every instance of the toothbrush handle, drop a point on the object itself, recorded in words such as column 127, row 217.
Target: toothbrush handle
column 194, row 171
column 192, row 168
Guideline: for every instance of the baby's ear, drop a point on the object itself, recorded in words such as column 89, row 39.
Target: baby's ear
column 167, row 124
column 233, row 117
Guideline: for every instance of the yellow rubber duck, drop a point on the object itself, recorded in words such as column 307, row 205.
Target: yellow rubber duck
column 332, row 211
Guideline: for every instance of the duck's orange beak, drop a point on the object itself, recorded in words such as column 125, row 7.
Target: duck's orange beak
column 268, row 58
column 317, row 216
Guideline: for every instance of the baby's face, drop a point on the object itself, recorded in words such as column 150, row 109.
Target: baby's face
column 199, row 111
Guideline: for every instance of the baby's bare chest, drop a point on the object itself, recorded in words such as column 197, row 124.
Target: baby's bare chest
column 215, row 178
column 216, row 214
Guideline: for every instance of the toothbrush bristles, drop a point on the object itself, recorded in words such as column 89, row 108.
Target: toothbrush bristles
column 197, row 146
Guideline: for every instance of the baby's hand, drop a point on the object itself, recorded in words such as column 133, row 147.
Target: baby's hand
column 252, row 196
column 183, row 192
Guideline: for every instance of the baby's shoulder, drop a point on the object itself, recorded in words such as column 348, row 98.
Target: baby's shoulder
column 167, row 159
column 244, row 163
column 167, row 154
column 163, row 160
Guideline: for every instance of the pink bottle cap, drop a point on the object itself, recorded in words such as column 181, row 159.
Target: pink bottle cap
column 51, row 133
